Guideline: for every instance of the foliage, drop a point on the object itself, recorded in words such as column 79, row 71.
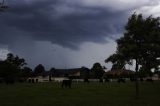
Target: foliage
column 141, row 42
column 15, row 60
column 8, row 72
column 26, row 72
column 97, row 70
column 11, row 68
column 39, row 70
column 117, row 60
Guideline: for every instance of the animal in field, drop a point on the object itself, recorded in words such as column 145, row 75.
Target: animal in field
column 107, row 80
column 121, row 80
column 86, row 80
column 141, row 79
column 66, row 83
column 132, row 79
column 101, row 80
column 149, row 80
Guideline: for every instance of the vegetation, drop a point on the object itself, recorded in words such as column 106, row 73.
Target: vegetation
column 39, row 70
column 141, row 42
column 97, row 70
column 11, row 69
column 81, row 94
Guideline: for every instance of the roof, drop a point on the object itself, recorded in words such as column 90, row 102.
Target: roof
column 62, row 72
column 120, row 72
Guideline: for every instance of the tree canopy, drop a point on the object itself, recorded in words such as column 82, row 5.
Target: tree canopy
column 97, row 70
column 141, row 42
column 39, row 70
column 11, row 68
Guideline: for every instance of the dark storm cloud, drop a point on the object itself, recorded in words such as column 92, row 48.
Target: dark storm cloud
column 50, row 31
column 59, row 22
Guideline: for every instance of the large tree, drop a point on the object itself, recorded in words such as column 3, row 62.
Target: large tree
column 141, row 42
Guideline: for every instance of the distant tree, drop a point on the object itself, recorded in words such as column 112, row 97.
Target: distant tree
column 52, row 71
column 39, row 70
column 97, row 70
column 26, row 72
column 8, row 72
column 85, row 74
column 15, row 60
column 10, row 69
column 3, row 6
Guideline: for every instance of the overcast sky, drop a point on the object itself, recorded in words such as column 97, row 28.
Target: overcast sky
column 67, row 33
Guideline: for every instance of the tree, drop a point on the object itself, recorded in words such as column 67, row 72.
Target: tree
column 11, row 68
column 141, row 42
column 3, row 6
column 97, row 70
column 39, row 70
column 8, row 72
column 52, row 71
column 118, row 61
column 15, row 60
column 26, row 72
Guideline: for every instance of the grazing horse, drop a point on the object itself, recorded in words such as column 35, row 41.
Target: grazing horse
column 107, row 80
column 149, row 80
column 101, row 80
column 66, row 83
column 86, row 80
column 132, row 79
column 121, row 80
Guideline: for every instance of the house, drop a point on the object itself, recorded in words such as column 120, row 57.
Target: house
column 58, row 75
column 75, row 73
column 119, row 73
column 155, row 77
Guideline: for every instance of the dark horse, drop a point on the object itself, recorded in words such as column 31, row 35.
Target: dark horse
column 121, row 80
column 66, row 83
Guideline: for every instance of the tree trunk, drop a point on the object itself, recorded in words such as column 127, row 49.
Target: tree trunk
column 137, row 80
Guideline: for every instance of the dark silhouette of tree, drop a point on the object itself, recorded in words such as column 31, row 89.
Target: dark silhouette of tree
column 39, row 70
column 8, row 72
column 141, row 42
column 3, row 6
column 26, row 72
column 52, row 71
column 144, row 73
column 97, row 70
column 10, row 69
column 85, row 74
column 15, row 60
column 118, row 61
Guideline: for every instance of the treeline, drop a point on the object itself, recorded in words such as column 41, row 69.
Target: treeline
column 13, row 68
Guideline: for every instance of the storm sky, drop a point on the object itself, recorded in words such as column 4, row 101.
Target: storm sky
column 67, row 33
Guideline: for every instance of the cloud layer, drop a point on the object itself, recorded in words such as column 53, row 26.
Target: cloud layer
column 67, row 23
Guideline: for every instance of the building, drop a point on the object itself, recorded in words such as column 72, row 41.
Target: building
column 58, row 75
column 116, row 73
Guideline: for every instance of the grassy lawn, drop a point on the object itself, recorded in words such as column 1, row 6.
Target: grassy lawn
column 92, row 94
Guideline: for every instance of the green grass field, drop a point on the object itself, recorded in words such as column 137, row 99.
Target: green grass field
column 92, row 94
